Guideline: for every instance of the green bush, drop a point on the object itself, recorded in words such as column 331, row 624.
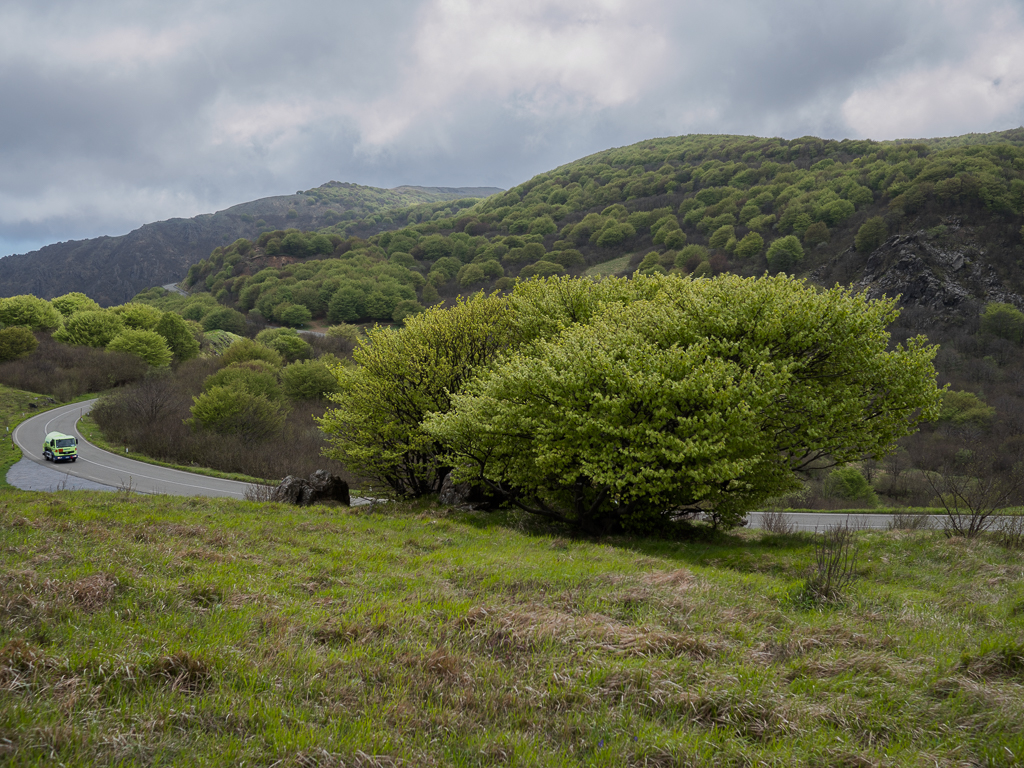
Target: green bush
column 253, row 376
column 247, row 349
column 91, row 328
column 149, row 345
column 70, row 303
column 751, row 245
column 872, row 233
column 785, row 254
column 179, row 336
column 16, row 341
column 1004, row 321
column 631, row 408
column 138, row 316
column 286, row 341
column 293, row 315
column 29, row 311
column 541, row 269
column 224, row 319
column 849, row 484
column 308, row 380
column 232, row 412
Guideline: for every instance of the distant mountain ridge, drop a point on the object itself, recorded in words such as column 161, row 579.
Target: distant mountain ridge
column 113, row 269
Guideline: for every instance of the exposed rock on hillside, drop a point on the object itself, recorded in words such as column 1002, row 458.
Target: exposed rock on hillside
column 946, row 277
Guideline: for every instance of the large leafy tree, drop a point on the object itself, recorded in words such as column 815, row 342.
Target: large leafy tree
column 703, row 395
column 178, row 335
column 92, row 328
column 28, row 311
column 401, row 376
column 149, row 345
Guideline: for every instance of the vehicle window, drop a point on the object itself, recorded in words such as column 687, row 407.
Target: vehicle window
column 68, row 443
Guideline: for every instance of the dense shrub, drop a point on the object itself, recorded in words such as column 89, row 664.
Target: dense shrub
column 16, row 342
column 91, row 328
column 66, row 371
column 286, row 341
column 149, row 345
column 308, row 380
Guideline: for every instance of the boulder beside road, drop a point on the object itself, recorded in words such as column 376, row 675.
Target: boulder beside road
column 320, row 486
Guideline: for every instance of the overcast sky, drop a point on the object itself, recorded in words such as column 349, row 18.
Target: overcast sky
column 120, row 112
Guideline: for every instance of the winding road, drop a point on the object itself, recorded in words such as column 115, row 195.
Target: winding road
column 98, row 467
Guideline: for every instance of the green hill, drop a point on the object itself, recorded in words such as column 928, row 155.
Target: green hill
column 113, row 269
column 697, row 204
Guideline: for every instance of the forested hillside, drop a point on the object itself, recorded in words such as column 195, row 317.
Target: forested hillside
column 936, row 222
column 696, row 204
column 113, row 269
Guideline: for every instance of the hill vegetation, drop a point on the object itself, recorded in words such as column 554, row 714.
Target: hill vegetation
column 113, row 269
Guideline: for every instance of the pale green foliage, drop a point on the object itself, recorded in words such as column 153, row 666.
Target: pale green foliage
column 721, row 237
column 751, row 245
column 308, row 380
column 73, row 302
column 542, row 268
column 402, row 375
column 233, row 412
column 286, row 341
column 149, row 345
column 138, row 316
column 1004, row 321
column 179, row 336
column 247, row 349
column 344, row 331
column 92, row 328
column 16, row 341
column 29, row 311
column 253, row 376
column 961, row 408
column 662, row 395
column 785, row 253
column 850, row 484
column 872, row 233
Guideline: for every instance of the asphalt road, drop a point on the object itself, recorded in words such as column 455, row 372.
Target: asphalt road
column 819, row 521
column 111, row 469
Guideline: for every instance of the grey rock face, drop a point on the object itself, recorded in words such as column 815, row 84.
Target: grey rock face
column 321, row 486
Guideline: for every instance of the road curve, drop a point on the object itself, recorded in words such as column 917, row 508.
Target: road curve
column 111, row 469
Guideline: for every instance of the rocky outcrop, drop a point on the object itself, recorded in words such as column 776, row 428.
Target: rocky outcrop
column 946, row 279
column 321, row 486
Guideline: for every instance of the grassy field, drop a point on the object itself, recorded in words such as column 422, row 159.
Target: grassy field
column 210, row 632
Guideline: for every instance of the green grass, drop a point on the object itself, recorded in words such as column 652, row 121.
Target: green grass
column 613, row 267
column 213, row 632
column 88, row 429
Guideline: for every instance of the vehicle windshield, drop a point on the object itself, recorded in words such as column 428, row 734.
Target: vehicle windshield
column 66, row 443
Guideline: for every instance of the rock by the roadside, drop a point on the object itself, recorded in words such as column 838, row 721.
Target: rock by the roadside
column 454, row 494
column 321, row 486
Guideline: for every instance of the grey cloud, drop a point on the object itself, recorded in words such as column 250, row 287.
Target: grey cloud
column 227, row 101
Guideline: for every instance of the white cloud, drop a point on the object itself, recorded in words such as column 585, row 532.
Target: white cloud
column 538, row 57
column 983, row 91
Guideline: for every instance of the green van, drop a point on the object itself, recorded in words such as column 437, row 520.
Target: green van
column 60, row 447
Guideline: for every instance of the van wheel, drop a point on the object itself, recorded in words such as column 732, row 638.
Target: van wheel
column 74, row 459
